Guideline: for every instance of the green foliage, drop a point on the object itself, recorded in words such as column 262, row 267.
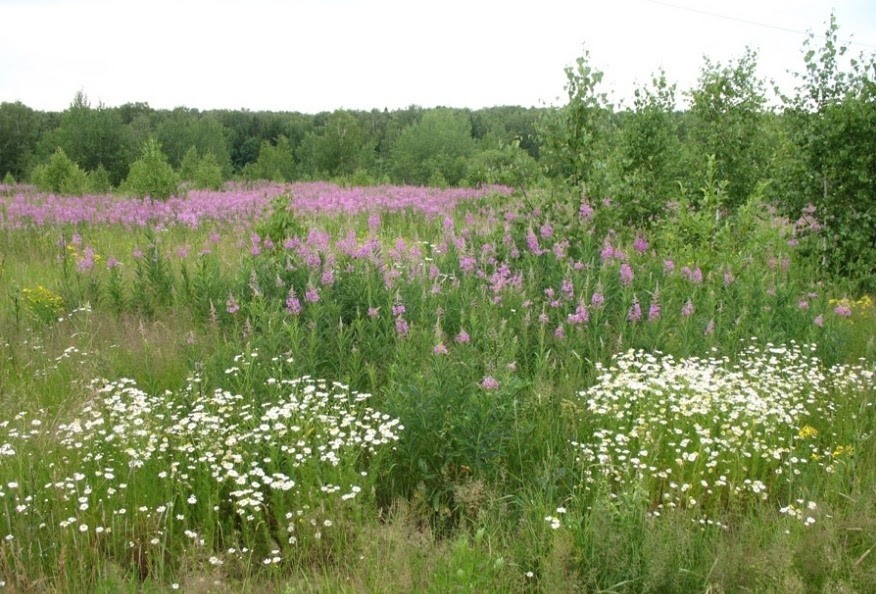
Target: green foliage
column 727, row 120
column 60, row 175
column 337, row 148
column 434, row 150
column 185, row 129
column 647, row 165
column 572, row 136
column 508, row 165
column 99, row 180
column 92, row 137
column 275, row 162
column 20, row 129
column 203, row 172
column 151, row 175
column 831, row 158
column 282, row 223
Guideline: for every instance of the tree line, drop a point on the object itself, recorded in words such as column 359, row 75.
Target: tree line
column 811, row 152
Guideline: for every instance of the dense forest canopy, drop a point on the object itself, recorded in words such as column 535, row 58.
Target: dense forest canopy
column 732, row 144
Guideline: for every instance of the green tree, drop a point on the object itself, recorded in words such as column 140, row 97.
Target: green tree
column 275, row 162
column 434, row 150
column 95, row 136
column 202, row 172
column 151, row 175
column 60, row 175
column 573, row 136
column 20, row 129
column 338, row 147
column 831, row 161
column 647, row 166
column 186, row 128
column 507, row 164
column 727, row 121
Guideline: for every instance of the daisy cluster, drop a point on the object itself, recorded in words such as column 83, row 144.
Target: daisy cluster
column 189, row 464
column 709, row 433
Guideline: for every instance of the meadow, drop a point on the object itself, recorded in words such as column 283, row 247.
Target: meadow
column 309, row 387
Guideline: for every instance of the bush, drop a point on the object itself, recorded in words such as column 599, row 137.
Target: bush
column 60, row 175
column 204, row 172
column 99, row 180
column 509, row 165
column 151, row 175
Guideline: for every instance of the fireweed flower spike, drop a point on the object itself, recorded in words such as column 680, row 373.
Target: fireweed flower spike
column 688, row 309
column 231, row 306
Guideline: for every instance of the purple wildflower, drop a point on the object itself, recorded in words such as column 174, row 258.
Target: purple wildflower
column 641, row 244
column 293, row 305
column 626, row 274
column 654, row 310
column 231, row 306
column 635, row 312
column 401, row 326
column 688, row 309
column 581, row 315
column 489, row 383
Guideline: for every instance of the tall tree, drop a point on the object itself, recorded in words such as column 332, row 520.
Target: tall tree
column 727, row 121
column 831, row 125
column 572, row 136
column 434, row 150
column 20, row 129
column 96, row 137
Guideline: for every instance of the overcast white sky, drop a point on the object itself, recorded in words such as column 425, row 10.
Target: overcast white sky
column 360, row 54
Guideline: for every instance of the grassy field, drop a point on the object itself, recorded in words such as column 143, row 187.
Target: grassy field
column 288, row 388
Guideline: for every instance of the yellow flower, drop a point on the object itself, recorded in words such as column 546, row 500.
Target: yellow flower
column 807, row 431
column 843, row 451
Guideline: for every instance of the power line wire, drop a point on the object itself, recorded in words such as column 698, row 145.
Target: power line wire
column 746, row 21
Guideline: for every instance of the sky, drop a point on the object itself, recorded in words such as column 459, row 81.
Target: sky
column 323, row 55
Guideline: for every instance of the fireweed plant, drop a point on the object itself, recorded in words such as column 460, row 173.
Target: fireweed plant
column 554, row 371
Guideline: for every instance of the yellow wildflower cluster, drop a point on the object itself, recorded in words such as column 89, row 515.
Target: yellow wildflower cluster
column 841, row 451
column 862, row 305
column 42, row 302
column 87, row 257
column 807, row 431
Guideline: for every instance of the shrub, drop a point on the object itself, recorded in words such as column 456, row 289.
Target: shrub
column 203, row 172
column 151, row 175
column 60, row 175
